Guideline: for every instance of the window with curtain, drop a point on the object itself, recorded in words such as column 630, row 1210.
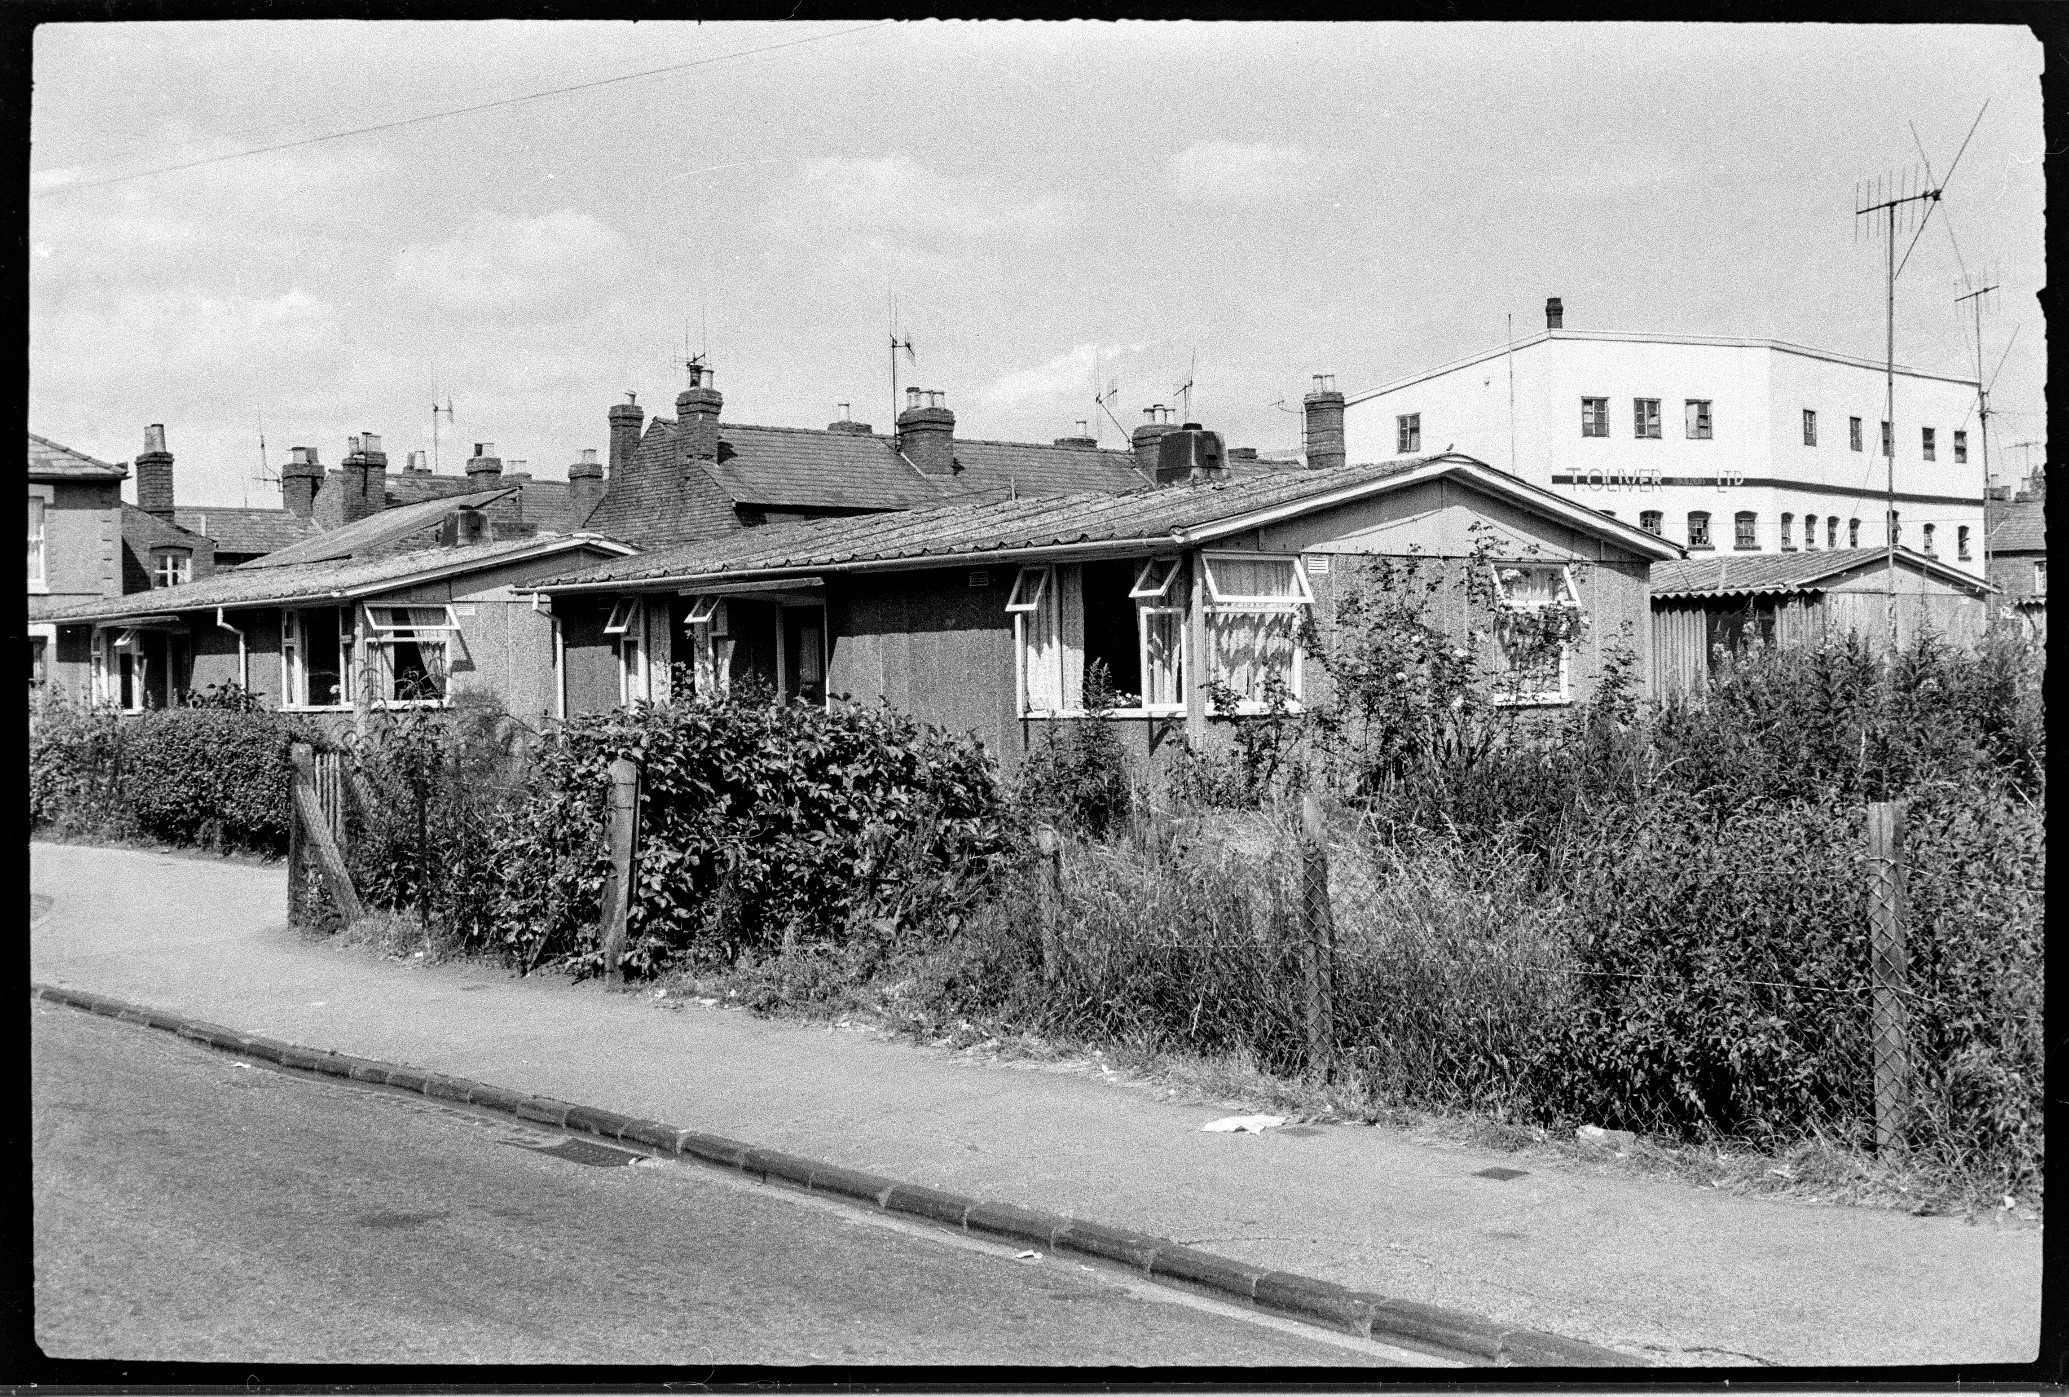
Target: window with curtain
column 316, row 657
column 174, row 567
column 1254, row 606
column 38, row 577
column 1537, row 617
column 408, row 649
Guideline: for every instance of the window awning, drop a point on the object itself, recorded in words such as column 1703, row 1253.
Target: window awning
column 387, row 620
column 142, row 623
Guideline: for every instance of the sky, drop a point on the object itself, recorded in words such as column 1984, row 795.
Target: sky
column 1043, row 208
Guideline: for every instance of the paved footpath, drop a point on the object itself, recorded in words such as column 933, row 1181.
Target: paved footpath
column 1659, row 1269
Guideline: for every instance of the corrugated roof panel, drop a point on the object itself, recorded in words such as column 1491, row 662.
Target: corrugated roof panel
column 363, row 535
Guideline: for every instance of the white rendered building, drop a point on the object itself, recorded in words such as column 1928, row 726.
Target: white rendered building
column 1726, row 445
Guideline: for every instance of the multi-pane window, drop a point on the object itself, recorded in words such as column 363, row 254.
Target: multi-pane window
column 627, row 622
column 1853, row 533
column 1536, row 611
column 1254, row 604
column 2040, row 577
column 1408, row 434
column 1122, row 620
column 1927, row 535
column 1853, row 432
column 1161, row 630
column 119, row 669
column 1698, row 414
column 172, row 567
column 1699, row 529
column 1961, row 448
column 1887, row 440
column 407, row 652
column 1927, row 443
column 1961, row 541
column 711, row 646
column 1645, row 417
column 37, row 575
column 1788, row 532
column 316, row 657
column 1810, row 531
column 39, row 660
column 1810, row 427
column 1594, row 417
column 1745, row 530
column 1650, row 520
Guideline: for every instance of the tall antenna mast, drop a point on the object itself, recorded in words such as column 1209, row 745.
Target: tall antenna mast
column 263, row 471
column 1975, row 301
column 1898, row 198
column 891, row 307
column 436, row 410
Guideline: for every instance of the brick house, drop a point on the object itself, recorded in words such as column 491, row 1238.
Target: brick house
column 411, row 605
column 985, row 616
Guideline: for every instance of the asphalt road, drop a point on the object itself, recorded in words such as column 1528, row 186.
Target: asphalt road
column 192, row 1207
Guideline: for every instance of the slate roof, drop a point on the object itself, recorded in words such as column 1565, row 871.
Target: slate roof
column 548, row 504
column 145, row 530
column 246, row 530
column 1756, row 573
column 50, row 461
column 1148, row 517
column 248, row 587
column 390, row 526
column 2016, row 526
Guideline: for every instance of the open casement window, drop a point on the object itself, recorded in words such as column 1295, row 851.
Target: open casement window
column 1115, row 619
column 1538, row 617
column 1254, row 605
column 409, row 652
column 1029, row 590
column 711, row 649
column 316, row 657
column 1154, row 578
column 628, row 623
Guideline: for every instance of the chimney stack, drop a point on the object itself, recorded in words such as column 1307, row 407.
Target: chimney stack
column 625, row 421
column 484, row 467
column 696, row 416
column 848, row 425
column 154, row 474
column 1555, row 314
column 1144, row 439
column 1084, row 439
column 1324, row 418
column 299, row 481
column 366, row 477
column 415, row 465
column 926, row 432
column 585, row 486
column 1190, row 456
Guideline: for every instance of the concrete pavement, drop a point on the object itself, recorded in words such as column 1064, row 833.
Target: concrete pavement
column 191, row 1207
column 1658, row 1269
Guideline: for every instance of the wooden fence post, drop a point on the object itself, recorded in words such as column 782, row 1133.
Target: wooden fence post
column 1888, row 1015
column 297, row 856
column 1318, row 939
column 320, row 836
column 1050, row 846
column 623, row 833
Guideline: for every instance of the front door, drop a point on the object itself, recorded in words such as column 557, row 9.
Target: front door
column 804, row 654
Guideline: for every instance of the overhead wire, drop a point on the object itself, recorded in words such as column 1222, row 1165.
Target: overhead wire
column 455, row 111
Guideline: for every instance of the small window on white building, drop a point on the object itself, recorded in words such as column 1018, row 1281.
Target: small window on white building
column 1594, row 417
column 1697, row 411
column 1961, row 448
column 1961, row 542
column 1651, row 520
column 1810, row 427
column 1853, row 533
column 1788, row 533
column 1928, row 442
column 1537, row 618
column 1645, row 418
column 1832, row 531
column 1853, row 433
column 1926, row 534
column 1810, row 531
column 1699, row 529
column 1745, row 531
column 1408, row 434
column 2040, row 577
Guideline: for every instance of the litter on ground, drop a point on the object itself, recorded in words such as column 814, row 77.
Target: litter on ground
column 1256, row 1125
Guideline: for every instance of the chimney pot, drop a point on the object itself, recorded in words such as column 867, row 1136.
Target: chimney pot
column 696, row 416
column 486, row 468
column 1555, row 314
column 366, row 478
column 154, row 474
column 585, row 486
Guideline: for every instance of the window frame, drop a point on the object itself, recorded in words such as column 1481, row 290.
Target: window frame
column 1571, row 590
column 1745, row 531
column 2040, row 577
column 1217, row 604
column 1645, row 425
column 1018, row 605
column 294, row 658
column 1889, row 437
column 383, row 635
column 1788, row 533
column 1217, row 600
column 39, row 542
column 1706, row 541
column 1594, row 417
column 1407, row 433
column 1810, row 426
column 1143, row 590
column 635, row 668
column 1960, row 447
column 1143, row 613
column 178, row 561
column 1854, row 436
column 1853, row 533
column 1928, row 545
column 1700, row 422
column 1961, row 549
column 1653, row 521
column 1928, row 443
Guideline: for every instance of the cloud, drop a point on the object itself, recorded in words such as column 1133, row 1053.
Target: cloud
column 897, row 195
column 146, row 333
column 507, row 263
column 1230, row 172
column 1068, row 376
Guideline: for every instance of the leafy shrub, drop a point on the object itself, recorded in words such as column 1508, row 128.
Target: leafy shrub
column 1078, row 777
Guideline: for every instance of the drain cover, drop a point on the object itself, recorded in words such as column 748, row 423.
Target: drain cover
column 588, row 1152
column 1495, row 1173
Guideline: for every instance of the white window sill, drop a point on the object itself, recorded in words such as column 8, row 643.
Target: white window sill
column 1248, row 710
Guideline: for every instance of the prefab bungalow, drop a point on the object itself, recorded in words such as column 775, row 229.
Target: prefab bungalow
column 334, row 635
column 1705, row 610
column 988, row 617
